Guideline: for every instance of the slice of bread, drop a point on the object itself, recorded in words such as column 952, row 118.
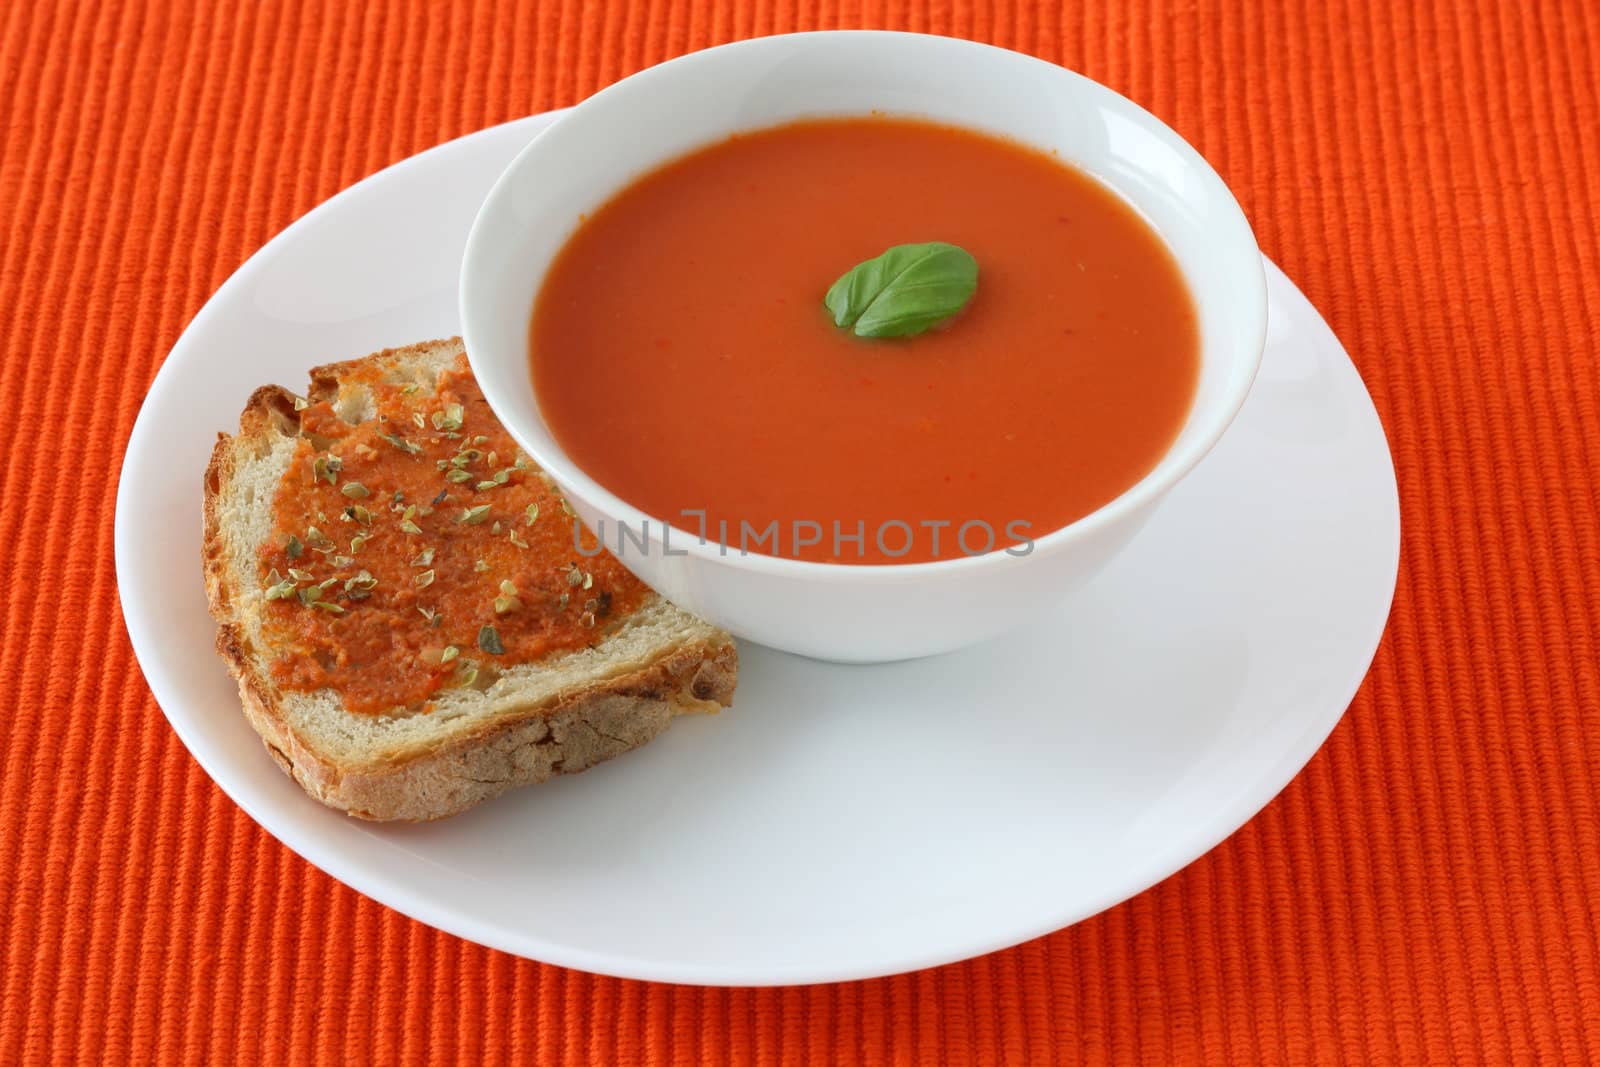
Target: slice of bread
column 564, row 713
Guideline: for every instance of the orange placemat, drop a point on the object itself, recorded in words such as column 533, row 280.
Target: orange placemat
column 1427, row 890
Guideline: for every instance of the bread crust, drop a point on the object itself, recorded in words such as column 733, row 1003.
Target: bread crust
column 570, row 731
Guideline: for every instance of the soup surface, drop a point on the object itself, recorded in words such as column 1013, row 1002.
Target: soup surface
column 682, row 355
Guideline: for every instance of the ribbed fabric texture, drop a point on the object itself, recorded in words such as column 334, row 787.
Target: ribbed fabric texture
column 1427, row 890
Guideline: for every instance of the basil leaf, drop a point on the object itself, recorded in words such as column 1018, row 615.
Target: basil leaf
column 906, row 290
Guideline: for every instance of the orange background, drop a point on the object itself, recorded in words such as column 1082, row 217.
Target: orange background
column 1427, row 890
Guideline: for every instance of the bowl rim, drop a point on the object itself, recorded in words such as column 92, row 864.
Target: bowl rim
column 1146, row 491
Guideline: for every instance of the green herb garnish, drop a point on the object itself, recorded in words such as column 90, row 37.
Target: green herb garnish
column 401, row 443
column 448, row 419
column 489, row 641
column 326, row 468
column 905, row 291
column 361, row 586
column 507, row 600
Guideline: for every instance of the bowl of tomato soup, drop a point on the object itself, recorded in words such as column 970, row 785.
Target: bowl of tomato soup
column 863, row 345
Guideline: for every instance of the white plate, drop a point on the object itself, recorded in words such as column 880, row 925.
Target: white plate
column 839, row 822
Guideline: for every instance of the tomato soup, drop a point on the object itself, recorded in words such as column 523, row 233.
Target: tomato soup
column 682, row 355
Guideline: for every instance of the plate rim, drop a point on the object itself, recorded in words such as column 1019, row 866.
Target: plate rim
column 461, row 922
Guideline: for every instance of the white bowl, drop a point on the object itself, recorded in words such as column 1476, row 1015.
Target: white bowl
column 860, row 613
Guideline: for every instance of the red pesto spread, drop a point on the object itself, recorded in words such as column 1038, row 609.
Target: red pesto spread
column 420, row 550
